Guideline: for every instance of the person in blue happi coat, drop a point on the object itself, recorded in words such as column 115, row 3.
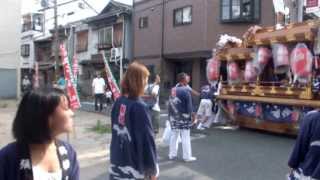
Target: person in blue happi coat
column 305, row 158
column 133, row 149
column 181, row 119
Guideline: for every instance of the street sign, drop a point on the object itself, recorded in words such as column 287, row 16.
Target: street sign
column 312, row 6
column 312, row 3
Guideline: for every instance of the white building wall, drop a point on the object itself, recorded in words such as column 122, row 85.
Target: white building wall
column 92, row 43
column 86, row 55
column 28, row 62
column 10, row 28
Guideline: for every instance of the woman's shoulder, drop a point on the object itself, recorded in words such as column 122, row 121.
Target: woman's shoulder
column 139, row 104
column 313, row 114
column 311, row 117
column 132, row 105
column 135, row 102
column 65, row 146
column 8, row 150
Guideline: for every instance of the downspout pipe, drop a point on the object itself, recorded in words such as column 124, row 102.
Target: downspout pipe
column 162, row 63
column 162, row 30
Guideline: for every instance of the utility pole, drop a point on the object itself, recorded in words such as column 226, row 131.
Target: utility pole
column 300, row 10
column 56, row 40
column 123, row 47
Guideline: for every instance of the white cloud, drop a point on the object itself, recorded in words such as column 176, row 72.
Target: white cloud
column 34, row 5
column 63, row 11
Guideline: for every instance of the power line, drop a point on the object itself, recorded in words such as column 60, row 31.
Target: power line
column 8, row 52
column 68, row 2
column 61, row 4
column 90, row 6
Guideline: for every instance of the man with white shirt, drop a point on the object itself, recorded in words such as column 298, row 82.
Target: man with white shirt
column 153, row 92
column 98, row 88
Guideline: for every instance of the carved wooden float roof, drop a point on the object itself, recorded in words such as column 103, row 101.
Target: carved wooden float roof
column 295, row 32
column 235, row 54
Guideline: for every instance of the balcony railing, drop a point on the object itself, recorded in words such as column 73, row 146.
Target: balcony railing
column 102, row 46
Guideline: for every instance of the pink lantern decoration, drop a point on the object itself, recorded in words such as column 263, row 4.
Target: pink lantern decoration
column 280, row 58
column 213, row 70
column 250, row 72
column 233, row 72
column 262, row 58
column 301, row 61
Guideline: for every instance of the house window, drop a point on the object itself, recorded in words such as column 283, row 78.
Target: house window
column 240, row 10
column 117, row 34
column 38, row 22
column 182, row 16
column 82, row 41
column 105, row 36
column 143, row 22
column 25, row 50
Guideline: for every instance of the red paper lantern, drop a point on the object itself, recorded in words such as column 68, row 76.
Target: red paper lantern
column 301, row 61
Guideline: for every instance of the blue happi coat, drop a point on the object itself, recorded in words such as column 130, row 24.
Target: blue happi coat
column 180, row 108
column 133, row 150
column 305, row 157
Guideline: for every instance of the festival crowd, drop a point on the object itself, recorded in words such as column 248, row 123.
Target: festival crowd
column 38, row 154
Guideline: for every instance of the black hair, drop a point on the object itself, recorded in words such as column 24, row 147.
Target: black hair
column 31, row 124
column 181, row 76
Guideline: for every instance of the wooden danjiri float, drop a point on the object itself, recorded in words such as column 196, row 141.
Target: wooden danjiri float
column 270, row 79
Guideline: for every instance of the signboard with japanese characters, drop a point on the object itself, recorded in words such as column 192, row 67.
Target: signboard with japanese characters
column 312, row 6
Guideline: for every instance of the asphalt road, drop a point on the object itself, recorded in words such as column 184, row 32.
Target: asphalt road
column 222, row 155
column 229, row 155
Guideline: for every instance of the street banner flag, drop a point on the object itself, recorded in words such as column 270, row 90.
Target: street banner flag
column 75, row 68
column 111, row 81
column 71, row 89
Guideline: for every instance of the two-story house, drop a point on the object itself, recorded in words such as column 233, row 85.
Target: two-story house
column 172, row 36
column 110, row 32
column 32, row 29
